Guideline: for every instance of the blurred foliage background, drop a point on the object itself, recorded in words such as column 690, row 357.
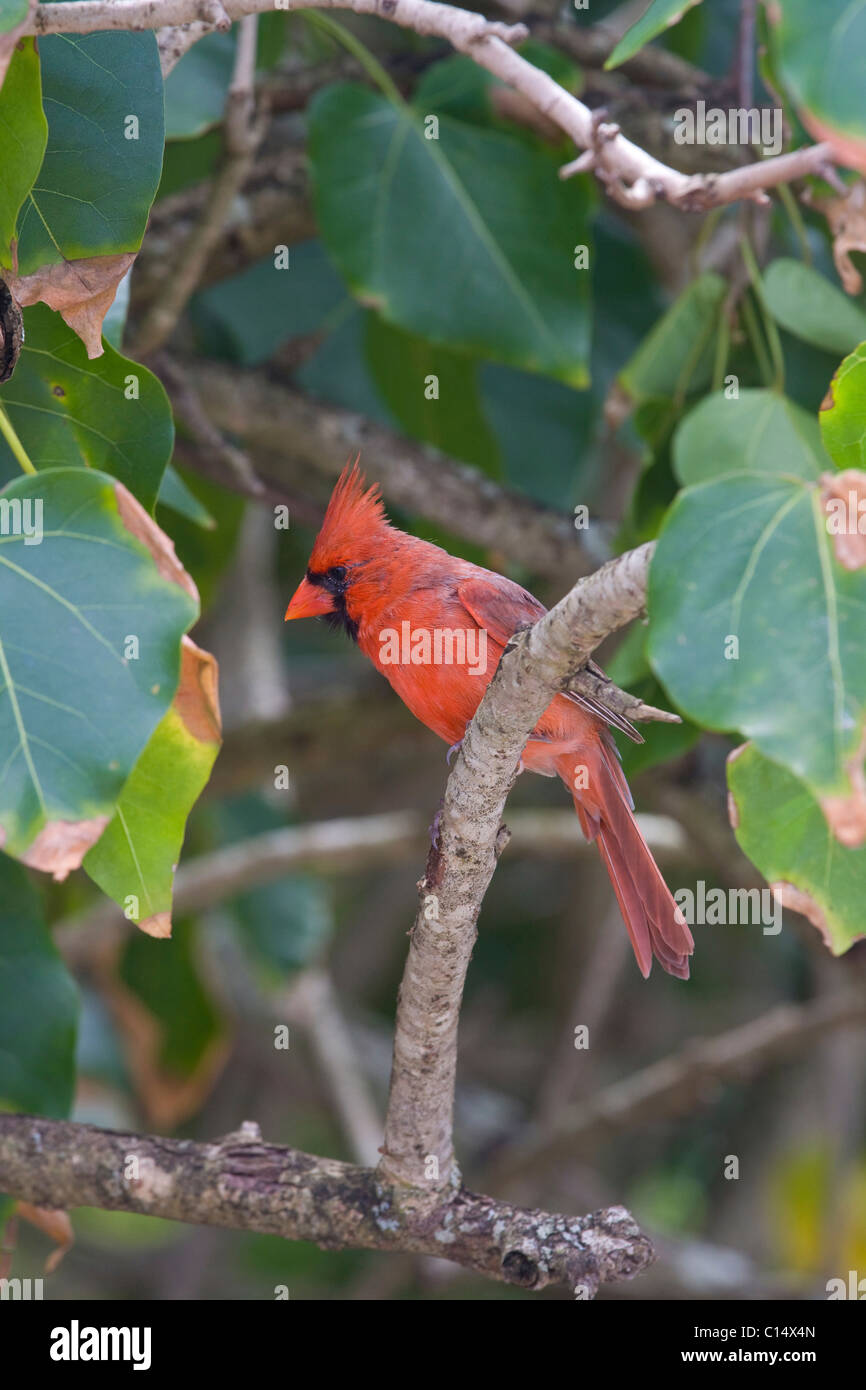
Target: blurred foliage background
column 580, row 401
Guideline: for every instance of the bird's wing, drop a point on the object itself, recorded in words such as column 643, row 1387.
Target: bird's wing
column 503, row 608
column 499, row 605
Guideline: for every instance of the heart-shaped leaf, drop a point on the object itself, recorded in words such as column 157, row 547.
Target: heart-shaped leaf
column 90, row 629
column 110, row 414
column 819, row 51
column 103, row 96
column 756, row 626
column 428, row 224
column 780, row 827
column 757, row 432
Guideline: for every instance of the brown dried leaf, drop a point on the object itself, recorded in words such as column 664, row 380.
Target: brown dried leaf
column 843, row 497
column 846, row 815
column 61, row 845
column 798, row 901
column 846, row 218
column 142, row 525
column 166, row 1097
column 81, row 291
column 53, row 1223
column 197, row 698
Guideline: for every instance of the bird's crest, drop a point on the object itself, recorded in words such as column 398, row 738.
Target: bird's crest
column 354, row 513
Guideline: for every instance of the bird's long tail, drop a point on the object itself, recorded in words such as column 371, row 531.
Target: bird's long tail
column 656, row 926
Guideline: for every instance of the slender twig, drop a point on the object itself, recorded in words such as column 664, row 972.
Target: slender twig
column 312, row 1001
column 243, row 131
column 680, row 1082
column 631, row 175
column 339, row 846
column 745, row 55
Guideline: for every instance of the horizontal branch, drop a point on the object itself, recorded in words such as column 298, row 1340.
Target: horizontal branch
column 342, row 846
column 241, row 1183
column 677, row 1083
column 293, row 435
column 631, row 175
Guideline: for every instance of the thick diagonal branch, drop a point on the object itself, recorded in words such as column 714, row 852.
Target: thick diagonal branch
column 539, row 662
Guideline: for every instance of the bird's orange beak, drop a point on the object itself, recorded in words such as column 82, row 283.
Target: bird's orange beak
column 309, row 601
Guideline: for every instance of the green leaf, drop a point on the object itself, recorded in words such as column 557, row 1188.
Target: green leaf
column 843, row 416
column 38, row 1005
column 165, row 976
column 95, row 187
column 630, row 668
column 407, row 369
column 659, row 15
column 434, row 232
column 72, row 412
column 174, row 493
column 820, row 51
column 779, row 825
column 748, row 557
column 544, row 431
column 12, row 12
column 75, row 711
column 23, row 132
column 196, row 87
column 247, row 317
column 813, row 308
column 137, row 853
column 677, row 354
column 758, row 432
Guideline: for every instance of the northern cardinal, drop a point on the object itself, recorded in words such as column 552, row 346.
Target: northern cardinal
column 436, row 626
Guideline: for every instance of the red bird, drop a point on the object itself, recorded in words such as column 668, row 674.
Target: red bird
column 435, row 627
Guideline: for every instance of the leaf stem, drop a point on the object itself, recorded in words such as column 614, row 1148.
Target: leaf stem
column 723, row 347
column 753, row 329
column 774, row 342
column 369, row 62
column 797, row 222
column 8, row 432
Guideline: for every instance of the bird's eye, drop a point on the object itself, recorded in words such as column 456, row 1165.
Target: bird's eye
column 335, row 578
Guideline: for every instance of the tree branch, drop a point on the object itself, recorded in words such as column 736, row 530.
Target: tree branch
column 677, row 1083
column 243, row 131
column 244, row 1184
column 297, row 435
column 631, row 175
column 339, row 846
column 538, row 662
